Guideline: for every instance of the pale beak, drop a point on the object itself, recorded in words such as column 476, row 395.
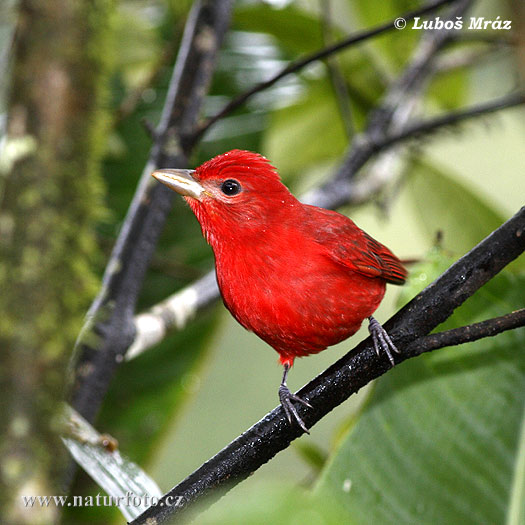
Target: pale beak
column 180, row 181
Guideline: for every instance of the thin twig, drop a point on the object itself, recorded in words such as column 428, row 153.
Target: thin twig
column 418, row 129
column 363, row 189
column 467, row 334
column 357, row 368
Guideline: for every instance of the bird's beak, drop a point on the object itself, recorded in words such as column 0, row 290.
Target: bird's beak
column 180, row 181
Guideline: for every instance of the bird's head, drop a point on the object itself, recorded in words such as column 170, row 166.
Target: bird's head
column 236, row 192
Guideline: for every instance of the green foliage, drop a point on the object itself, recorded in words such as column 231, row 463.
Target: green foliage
column 445, row 204
column 440, row 440
column 449, row 90
column 296, row 30
column 395, row 47
column 298, row 127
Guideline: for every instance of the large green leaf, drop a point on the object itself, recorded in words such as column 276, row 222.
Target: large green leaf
column 442, row 439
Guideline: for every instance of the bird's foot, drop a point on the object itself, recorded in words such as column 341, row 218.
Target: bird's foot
column 381, row 340
column 287, row 398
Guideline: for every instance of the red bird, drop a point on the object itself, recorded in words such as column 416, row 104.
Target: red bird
column 301, row 277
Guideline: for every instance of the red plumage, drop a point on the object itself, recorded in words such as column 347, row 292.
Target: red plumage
column 301, row 277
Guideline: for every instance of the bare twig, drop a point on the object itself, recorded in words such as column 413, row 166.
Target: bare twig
column 419, row 317
column 424, row 128
column 467, row 334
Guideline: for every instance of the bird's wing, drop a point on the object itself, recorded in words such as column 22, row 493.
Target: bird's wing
column 351, row 247
column 376, row 260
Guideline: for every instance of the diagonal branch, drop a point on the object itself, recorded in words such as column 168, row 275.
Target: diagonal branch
column 426, row 127
column 109, row 329
column 348, row 375
column 364, row 188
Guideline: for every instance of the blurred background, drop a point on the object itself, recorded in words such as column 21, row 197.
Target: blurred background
column 435, row 441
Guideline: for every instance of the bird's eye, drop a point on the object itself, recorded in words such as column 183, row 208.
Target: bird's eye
column 231, row 187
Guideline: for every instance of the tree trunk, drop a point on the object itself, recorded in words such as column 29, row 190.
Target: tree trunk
column 50, row 198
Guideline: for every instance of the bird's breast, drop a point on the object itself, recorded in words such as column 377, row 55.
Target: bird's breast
column 291, row 295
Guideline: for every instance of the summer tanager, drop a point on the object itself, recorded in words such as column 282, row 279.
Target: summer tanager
column 301, row 277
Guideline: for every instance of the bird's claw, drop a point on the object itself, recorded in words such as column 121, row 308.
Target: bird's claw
column 287, row 398
column 381, row 340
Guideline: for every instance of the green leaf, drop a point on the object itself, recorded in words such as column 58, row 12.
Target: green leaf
column 296, row 30
column 442, row 440
column 311, row 453
column 139, row 45
column 447, row 205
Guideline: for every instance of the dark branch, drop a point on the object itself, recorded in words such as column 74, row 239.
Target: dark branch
column 467, row 334
column 109, row 330
column 300, row 64
column 353, row 371
column 419, row 129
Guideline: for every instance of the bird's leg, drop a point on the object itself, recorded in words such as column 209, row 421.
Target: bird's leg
column 286, row 398
column 381, row 339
